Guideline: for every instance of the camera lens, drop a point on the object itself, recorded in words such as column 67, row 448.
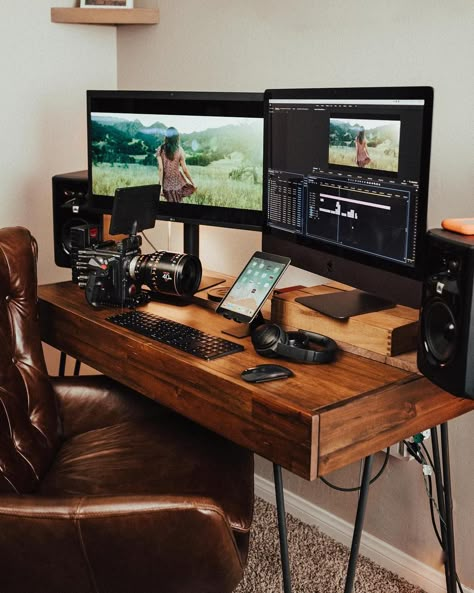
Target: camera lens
column 167, row 272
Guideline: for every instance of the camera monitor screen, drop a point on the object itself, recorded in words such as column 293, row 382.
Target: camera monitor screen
column 252, row 287
column 347, row 182
column 204, row 149
column 134, row 209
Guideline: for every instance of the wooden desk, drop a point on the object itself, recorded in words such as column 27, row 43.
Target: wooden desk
column 324, row 418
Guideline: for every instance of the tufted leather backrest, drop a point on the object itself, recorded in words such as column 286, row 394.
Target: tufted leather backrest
column 29, row 421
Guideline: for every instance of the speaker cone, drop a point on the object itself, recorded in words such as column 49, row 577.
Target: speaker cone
column 440, row 331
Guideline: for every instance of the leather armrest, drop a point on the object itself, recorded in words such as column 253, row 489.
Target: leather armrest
column 77, row 508
column 95, row 401
column 126, row 542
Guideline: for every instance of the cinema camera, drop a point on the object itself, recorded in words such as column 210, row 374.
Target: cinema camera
column 114, row 273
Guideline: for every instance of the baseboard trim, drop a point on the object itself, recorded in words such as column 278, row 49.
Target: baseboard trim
column 390, row 558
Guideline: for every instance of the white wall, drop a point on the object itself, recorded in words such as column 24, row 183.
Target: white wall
column 45, row 70
column 252, row 45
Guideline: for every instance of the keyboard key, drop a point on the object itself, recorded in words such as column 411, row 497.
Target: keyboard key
column 180, row 336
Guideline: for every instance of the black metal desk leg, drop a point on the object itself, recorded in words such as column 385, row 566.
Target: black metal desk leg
column 359, row 523
column 62, row 364
column 445, row 503
column 280, row 501
column 440, row 499
column 448, row 507
column 77, row 368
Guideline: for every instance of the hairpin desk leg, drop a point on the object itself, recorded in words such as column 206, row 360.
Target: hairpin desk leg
column 280, row 502
column 62, row 364
column 445, row 503
column 77, row 368
column 448, row 503
column 359, row 523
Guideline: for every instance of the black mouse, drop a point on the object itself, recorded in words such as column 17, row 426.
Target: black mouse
column 266, row 372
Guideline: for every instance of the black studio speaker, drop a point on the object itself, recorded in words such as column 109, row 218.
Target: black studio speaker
column 446, row 343
column 71, row 209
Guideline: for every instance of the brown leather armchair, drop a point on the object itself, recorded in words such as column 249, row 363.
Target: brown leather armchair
column 101, row 489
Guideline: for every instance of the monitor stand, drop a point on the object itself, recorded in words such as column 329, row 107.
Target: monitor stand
column 242, row 330
column 345, row 304
column 191, row 246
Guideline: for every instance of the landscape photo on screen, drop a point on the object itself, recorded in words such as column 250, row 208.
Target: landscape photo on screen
column 364, row 143
column 223, row 155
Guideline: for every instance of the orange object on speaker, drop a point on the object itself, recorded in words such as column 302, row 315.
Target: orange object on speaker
column 465, row 226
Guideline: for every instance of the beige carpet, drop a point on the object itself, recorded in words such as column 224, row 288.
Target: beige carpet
column 318, row 563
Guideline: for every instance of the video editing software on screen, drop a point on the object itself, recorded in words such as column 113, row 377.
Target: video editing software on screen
column 346, row 172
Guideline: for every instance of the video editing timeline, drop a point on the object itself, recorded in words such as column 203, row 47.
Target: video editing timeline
column 372, row 220
column 346, row 173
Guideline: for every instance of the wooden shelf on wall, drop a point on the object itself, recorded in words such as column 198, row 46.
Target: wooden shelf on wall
column 106, row 16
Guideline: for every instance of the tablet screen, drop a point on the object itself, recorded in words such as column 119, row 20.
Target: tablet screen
column 252, row 287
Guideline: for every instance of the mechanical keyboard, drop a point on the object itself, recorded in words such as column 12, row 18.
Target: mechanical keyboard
column 180, row 336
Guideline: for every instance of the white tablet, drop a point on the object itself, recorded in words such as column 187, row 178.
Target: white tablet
column 252, row 287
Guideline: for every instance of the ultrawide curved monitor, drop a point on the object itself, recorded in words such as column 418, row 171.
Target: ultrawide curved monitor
column 205, row 149
column 346, row 184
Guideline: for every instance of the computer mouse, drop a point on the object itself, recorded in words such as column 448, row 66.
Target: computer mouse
column 266, row 372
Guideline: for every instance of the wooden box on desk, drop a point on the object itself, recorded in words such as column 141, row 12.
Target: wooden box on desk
column 389, row 333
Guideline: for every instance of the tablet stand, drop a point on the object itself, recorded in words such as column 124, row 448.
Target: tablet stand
column 242, row 330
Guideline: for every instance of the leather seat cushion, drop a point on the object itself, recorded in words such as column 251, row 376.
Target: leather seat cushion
column 144, row 457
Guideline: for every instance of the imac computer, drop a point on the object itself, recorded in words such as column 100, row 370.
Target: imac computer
column 204, row 149
column 346, row 190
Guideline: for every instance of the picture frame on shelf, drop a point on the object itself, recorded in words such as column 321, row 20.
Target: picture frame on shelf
column 106, row 4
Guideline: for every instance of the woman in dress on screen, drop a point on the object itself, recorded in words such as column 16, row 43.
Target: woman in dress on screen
column 175, row 179
column 362, row 154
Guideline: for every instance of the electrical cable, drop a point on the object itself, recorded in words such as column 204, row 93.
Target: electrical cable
column 414, row 451
column 417, row 454
column 433, row 503
column 148, row 241
column 433, row 506
column 357, row 488
column 427, row 453
column 432, row 513
column 431, row 497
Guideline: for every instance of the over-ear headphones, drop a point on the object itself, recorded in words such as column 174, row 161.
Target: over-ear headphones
column 271, row 340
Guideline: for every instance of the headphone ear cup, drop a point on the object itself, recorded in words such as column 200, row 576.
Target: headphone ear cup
column 266, row 338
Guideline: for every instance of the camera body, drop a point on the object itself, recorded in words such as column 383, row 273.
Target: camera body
column 113, row 273
column 104, row 272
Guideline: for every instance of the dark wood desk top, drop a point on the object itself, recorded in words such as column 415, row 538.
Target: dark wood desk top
column 324, row 418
